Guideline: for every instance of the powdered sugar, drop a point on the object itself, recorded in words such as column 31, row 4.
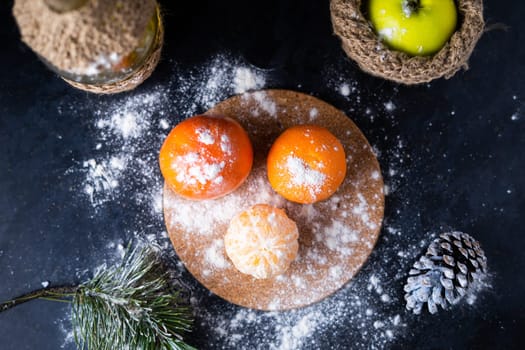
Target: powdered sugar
column 246, row 79
column 214, row 255
column 366, row 323
column 313, row 114
column 130, row 129
column 201, row 217
column 122, row 167
column 214, row 81
column 302, row 174
column 337, row 236
column 331, row 231
column 101, row 178
column 390, row 106
column 264, row 103
column 118, row 162
column 226, row 145
column 193, row 169
column 293, row 337
column 127, row 124
column 205, row 136
column 344, row 89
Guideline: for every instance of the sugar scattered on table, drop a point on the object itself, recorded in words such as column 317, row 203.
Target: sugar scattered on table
column 218, row 78
column 385, row 298
column 246, row 79
column 129, row 132
column 164, row 124
column 390, row 106
column 131, row 129
column 344, row 89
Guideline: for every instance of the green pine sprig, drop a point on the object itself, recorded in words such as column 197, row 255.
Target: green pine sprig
column 128, row 306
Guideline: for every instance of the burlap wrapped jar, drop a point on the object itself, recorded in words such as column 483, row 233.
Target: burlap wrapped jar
column 362, row 44
column 90, row 46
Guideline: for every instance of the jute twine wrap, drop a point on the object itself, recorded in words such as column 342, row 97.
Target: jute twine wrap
column 362, row 44
column 72, row 41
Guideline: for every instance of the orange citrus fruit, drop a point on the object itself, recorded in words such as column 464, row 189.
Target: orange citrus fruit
column 206, row 157
column 306, row 164
column 262, row 241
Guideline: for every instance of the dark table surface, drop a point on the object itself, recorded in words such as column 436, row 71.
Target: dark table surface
column 453, row 152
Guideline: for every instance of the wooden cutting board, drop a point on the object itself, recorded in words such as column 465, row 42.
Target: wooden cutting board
column 336, row 235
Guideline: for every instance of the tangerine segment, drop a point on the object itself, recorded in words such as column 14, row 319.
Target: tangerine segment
column 306, row 164
column 262, row 241
column 206, row 157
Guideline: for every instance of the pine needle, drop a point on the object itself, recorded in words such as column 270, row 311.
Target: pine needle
column 131, row 306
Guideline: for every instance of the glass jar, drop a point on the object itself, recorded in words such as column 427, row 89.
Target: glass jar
column 111, row 68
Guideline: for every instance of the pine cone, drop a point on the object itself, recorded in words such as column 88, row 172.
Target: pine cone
column 453, row 266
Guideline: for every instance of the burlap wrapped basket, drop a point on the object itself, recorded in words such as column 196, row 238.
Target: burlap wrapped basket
column 362, row 44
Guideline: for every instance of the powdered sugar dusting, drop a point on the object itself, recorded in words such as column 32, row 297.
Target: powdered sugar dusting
column 193, row 169
column 126, row 125
column 101, row 178
column 130, row 130
column 205, row 136
column 360, row 311
column 214, row 81
column 118, row 162
column 336, row 234
column 215, row 256
column 263, row 102
column 344, row 89
column 313, row 114
column 390, row 106
column 121, row 167
column 202, row 217
column 246, row 79
column 302, row 174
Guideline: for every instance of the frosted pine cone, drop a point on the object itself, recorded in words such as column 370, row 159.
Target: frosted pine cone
column 453, row 266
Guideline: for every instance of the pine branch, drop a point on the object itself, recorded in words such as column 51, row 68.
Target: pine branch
column 130, row 306
column 63, row 293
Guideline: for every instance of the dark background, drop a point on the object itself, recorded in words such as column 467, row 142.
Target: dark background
column 464, row 171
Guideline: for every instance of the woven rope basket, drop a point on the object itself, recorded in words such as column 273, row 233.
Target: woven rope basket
column 362, row 44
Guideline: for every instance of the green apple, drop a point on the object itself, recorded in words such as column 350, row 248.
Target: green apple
column 417, row 27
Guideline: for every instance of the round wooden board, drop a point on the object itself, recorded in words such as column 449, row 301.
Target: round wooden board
column 336, row 235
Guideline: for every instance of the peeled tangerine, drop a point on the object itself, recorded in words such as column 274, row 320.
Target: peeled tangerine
column 206, row 157
column 262, row 241
column 306, row 164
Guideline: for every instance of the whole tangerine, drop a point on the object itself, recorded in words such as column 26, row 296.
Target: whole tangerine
column 262, row 241
column 206, row 157
column 306, row 164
